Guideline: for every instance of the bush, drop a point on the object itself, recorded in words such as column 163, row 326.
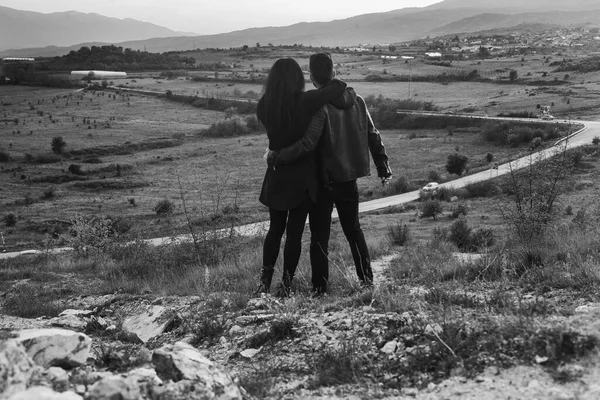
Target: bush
column 399, row 234
column 231, row 112
column 482, row 237
column 58, row 144
column 4, row 156
column 254, row 124
column 49, row 193
column 75, row 169
column 10, row 220
column 596, row 140
column 46, row 158
column 233, row 126
column 164, row 207
column 459, row 210
column 457, row 163
column 434, row 176
column 483, row 189
column 460, row 234
column 397, row 186
column 94, row 233
column 431, row 208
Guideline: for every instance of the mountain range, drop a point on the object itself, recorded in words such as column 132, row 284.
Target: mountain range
column 22, row 29
column 447, row 17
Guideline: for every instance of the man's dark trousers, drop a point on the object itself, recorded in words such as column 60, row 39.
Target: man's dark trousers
column 345, row 197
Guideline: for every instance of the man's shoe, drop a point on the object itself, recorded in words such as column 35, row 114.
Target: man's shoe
column 282, row 291
column 318, row 292
column 260, row 289
column 366, row 285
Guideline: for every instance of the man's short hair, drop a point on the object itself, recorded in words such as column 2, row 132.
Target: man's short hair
column 321, row 68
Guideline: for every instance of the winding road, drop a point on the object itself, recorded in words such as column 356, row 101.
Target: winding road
column 583, row 136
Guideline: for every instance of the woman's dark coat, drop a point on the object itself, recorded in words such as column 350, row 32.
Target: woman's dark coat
column 288, row 185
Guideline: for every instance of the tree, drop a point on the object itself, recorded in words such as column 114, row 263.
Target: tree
column 245, row 47
column 10, row 220
column 513, row 75
column 484, row 52
column 431, row 208
column 58, row 144
column 457, row 163
column 392, row 48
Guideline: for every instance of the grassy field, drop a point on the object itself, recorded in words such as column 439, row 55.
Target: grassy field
column 131, row 150
column 516, row 303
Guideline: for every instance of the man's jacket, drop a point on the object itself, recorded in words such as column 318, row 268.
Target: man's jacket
column 343, row 144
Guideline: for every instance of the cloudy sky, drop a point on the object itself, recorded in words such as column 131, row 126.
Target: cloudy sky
column 218, row 16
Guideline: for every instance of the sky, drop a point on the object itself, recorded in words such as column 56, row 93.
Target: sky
column 219, row 16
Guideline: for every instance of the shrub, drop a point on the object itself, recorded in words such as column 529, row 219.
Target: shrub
column 482, row 237
column 234, row 126
column 482, row 189
column 75, row 169
column 399, row 234
column 434, row 176
column 596, row 140
column 93, row 233
column 431, row 208
column 457, row 163
column 208, row 330
column 49, row 193
column 231, row 112
column 164, row 207
column 4, row 156
column 460, row 234
column 459, row 210
column 10, row 220
column 534, row 190
column 58, row 144
column 48, row 158
column 397, row 186
column 254, row 124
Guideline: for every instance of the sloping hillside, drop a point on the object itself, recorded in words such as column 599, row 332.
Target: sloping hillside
column 68, row 28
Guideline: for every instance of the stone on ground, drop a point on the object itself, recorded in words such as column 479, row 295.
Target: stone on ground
column 148, row 322
column 114, row 387
column 182, row 362
column 16, row 367
column 56, row 347
column 44, row 393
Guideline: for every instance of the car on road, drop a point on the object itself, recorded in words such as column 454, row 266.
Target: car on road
column 430, row 187
column 547, row 117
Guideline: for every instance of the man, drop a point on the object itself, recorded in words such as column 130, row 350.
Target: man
column 343, row 155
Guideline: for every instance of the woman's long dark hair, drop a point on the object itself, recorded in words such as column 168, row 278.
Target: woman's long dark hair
column 282, row 88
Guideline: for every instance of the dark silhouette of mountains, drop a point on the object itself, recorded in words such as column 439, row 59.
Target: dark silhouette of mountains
column 448, row 16
column 20, row 29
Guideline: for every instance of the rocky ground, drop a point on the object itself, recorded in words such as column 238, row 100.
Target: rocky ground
column 346, row 347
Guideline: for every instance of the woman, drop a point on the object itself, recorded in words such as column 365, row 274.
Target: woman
column 287, row 112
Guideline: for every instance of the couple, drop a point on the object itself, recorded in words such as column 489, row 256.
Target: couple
column 319, row 144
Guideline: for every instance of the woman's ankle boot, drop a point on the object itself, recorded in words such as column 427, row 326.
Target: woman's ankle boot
column 266, row 276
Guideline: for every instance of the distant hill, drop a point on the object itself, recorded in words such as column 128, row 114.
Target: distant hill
column 21, row 29
column 490, row 21
column 449, row 16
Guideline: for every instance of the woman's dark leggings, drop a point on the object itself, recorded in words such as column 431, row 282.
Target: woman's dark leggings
column 291, row 222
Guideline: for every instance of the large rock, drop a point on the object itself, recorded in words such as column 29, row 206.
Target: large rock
column 16, row 367
column 148, row 322
column 69, row 321
column 115, row 388
column 44, row 393
column 180, row 361
column 56, row 347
